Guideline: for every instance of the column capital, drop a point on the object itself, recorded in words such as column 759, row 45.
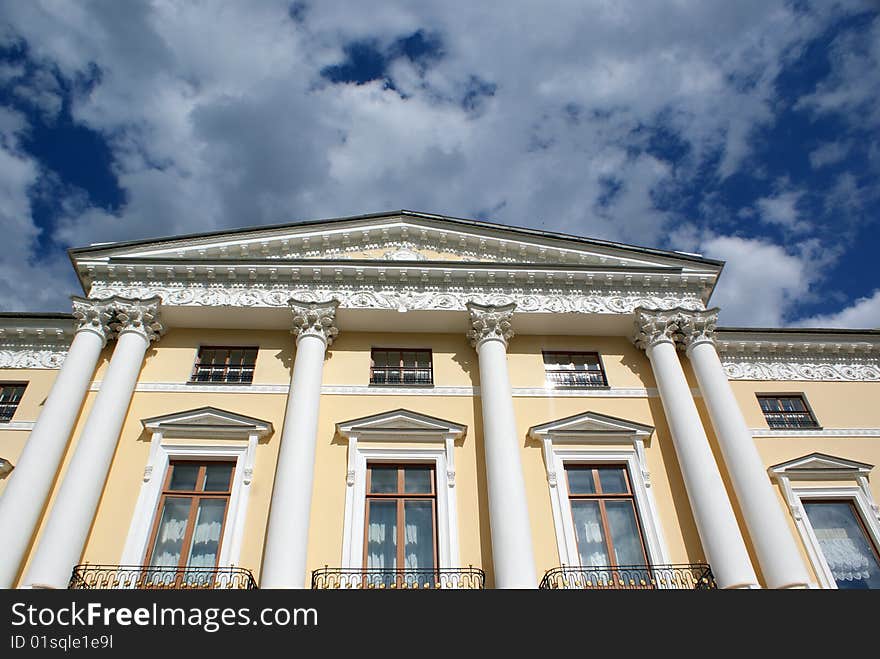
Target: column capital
column 314, row 319
column 654, row 326
column 138, row 315
column 93, row 316
column 697, row 327
column 490, row 322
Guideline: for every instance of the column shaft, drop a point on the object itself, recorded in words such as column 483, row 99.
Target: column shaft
column 512, row 553
column 284, row 564
column 22, row 502
column 781, row 562
column 67, row 528
column 287, row 535
column 713, row 513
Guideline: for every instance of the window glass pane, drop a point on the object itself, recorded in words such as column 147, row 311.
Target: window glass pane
column 844, row 544
column 380, row 359
column 183, row 476
column 419, row 536
column 217, row 477
column 383, row 480
column 588, row 529
column 172, row 528
column 417, row 480
column 613, row 480
column 409, row 359
column 624, row 533
column 580, row 480
column 382, row 535
column 207, row 532
column 250, row 356
column 768, row 404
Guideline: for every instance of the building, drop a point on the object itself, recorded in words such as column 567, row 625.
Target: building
column 406, row 400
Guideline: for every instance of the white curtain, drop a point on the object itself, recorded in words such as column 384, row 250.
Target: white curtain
column 591, row 542
column 382, row 535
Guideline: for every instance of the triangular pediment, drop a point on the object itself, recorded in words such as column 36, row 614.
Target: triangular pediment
column 401, row 424
column 207, row 421
column 401, row 236
column 590, row 425
column 819, row 465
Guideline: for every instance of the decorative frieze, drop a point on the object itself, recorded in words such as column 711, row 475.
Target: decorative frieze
column 490, row 322
column 409, row 297
column 314, row 319
column 789, row 356
column 38, row 344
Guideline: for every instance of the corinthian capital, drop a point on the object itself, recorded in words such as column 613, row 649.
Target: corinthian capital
column 137, row 315
column 697, row 327
column 653, row 326
column 314, row 319
column 490, row 322
column 93, row 316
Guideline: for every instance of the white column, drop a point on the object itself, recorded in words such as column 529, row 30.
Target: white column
column 716, row 523
column 512, row 552
column 780, row 560
column 22, row 502
column 287, row 535
column 135, row 324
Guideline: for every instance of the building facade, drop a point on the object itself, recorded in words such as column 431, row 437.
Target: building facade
column 407, row 400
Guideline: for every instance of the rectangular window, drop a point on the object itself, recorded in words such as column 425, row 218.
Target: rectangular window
column 391, row 366
column 191, row 515
column 787, row 411
column 605, row 520
column 225, row 364
column 401, row 524
column 851, row 556
column 10, row 397
column 574, row 369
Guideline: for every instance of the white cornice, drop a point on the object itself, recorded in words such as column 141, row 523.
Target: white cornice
column 18, row 425
column 34, row 342
column 804, row 356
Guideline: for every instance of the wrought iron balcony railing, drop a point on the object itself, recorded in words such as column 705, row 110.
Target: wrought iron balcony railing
column 696, row 576
column 102, row 577
column 794, row 420
column 569, row 378
column 401, row 375
column 465, row 578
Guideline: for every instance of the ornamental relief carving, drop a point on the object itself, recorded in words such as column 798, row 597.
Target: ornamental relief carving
column 410, row 298
column 32, row 357
column 827, row 369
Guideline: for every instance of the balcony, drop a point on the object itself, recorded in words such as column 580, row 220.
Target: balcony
column 697, row 576
column 401, row 375
column 103, row 577
column 464, row 578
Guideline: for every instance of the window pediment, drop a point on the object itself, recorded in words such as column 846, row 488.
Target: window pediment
column 401, row 424
column 591, row 426
column 208, row 422
column 820, row 466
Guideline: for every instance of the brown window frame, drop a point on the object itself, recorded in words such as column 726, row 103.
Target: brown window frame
column 401, row 369
column 196, row 497
column 806, row 413
column 552, row 375
column 11, row 406
column 601, row 497
column 240, row 368
column 401, row 498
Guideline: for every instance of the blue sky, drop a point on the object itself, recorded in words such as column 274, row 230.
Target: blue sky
column 745, row 131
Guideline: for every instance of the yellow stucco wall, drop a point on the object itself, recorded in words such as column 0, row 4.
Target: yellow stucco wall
column 836, row 405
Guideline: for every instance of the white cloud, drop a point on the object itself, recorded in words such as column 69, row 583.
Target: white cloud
column 864, row 313
column 828, row 154
column 760, row 282
column 221, row 118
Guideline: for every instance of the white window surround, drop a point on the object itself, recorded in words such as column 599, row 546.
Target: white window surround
column 235, row 438
column 400, row 426
column 587, row 431
column 821, row 467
